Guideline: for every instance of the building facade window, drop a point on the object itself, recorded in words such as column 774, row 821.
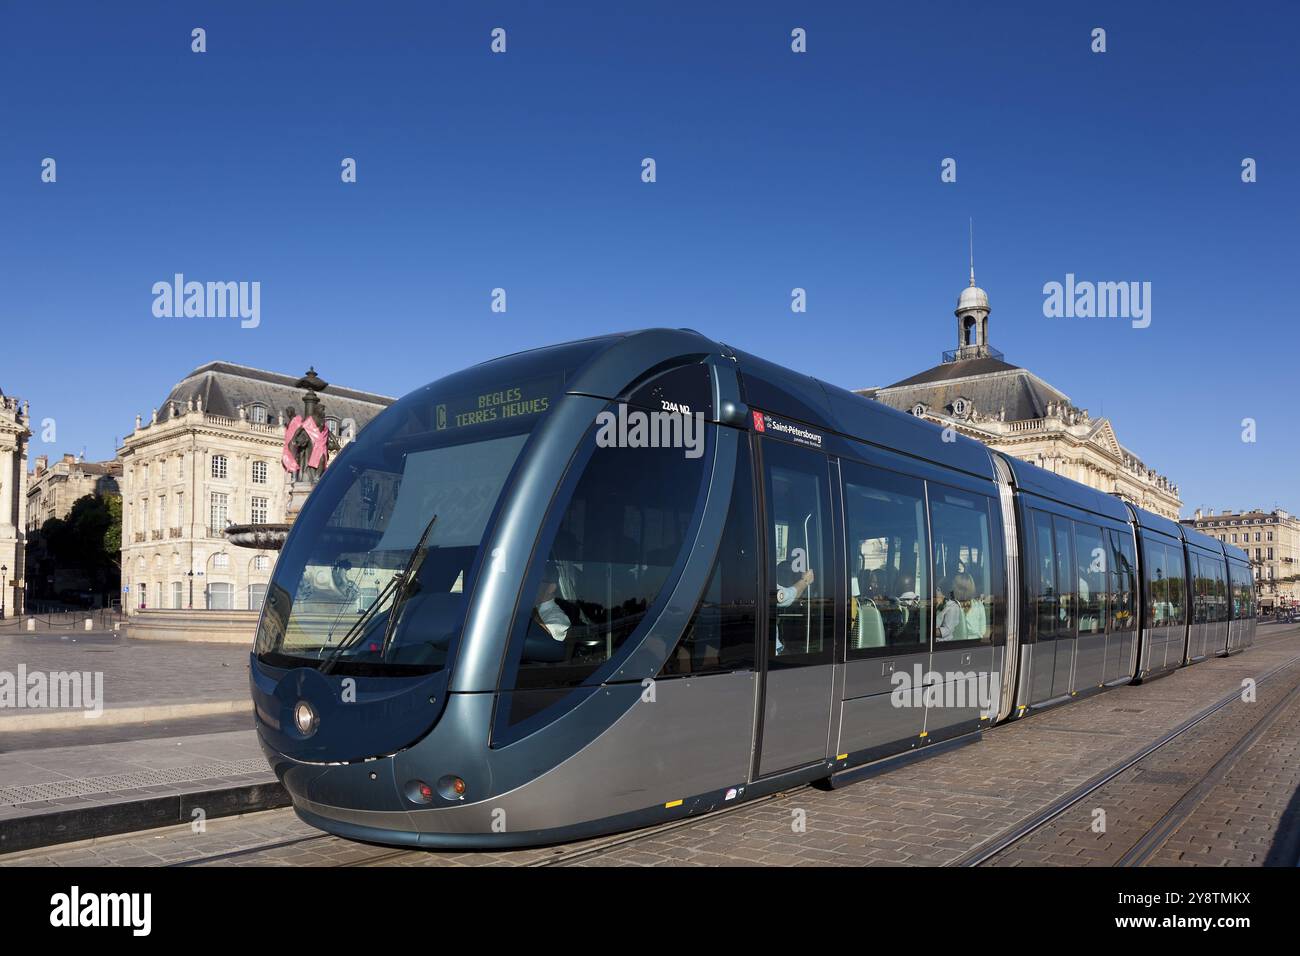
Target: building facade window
column 218, row 511
column 219, row 466
column 259, row 472
column 262, row 562
column 259, row 511
column 221, row 561
column 257, row 414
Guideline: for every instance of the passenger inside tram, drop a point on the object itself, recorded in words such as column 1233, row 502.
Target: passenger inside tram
column 949, row 624
column 790, row 587
column 974, row 615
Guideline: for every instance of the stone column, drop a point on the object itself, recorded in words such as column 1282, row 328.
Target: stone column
column 7, row 487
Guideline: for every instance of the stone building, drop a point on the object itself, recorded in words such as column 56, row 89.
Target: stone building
column 1271, row 538
column 209, row 457
column 14, row 433
column 52, row 489
column 1011, row 409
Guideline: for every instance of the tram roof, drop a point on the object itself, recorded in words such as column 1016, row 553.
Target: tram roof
column 1039, row 481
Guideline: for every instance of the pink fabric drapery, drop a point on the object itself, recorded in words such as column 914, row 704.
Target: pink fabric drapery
column 319, row 437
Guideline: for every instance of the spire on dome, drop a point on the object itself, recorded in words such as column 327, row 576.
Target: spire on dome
column 972, row 252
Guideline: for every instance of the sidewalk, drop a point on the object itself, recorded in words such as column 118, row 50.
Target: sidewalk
column 142, row 681
column 175, row 737
column 59, row 794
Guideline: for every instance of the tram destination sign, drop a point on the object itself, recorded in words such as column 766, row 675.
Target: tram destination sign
column 496, row 404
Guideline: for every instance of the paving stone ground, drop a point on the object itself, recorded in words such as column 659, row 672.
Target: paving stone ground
column 135, row 672
column 930, row 812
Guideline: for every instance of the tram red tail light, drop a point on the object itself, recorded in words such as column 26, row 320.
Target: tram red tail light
column 417, row 791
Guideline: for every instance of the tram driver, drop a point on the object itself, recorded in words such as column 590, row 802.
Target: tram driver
column 549, row 624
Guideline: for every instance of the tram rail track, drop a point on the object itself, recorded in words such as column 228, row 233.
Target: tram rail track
column 1011, row 837
column 979, row 855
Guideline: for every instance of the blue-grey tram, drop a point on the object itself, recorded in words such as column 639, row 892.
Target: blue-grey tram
column 623, row 580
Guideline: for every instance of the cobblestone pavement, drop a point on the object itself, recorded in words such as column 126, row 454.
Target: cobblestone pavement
column 929, row 812
column 1235, row 820
column 135, row 672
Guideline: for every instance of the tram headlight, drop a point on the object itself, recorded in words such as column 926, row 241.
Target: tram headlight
column 304, row 718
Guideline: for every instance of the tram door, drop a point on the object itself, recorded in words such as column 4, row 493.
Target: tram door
column 800, row 579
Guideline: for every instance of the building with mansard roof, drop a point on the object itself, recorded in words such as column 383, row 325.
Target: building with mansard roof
column 208, row 457
column 978, row 393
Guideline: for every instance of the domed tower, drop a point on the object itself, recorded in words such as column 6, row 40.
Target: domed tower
column 973, row 319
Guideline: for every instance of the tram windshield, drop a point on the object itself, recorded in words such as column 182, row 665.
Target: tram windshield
column 376, row 574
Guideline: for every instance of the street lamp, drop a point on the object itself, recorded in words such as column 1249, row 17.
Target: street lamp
column 190, row 575
column 4, row 586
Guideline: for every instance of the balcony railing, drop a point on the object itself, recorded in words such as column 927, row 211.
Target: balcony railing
column 173, row 532
column 971, row 352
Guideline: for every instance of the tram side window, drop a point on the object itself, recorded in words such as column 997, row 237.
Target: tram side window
column 1160, row 610
column 1065, row 579
column 1046, row 600
column 1242, row 599
column 800, row 570
column 889, row 608
column 1202, row 611
column 1090, row 557
column 1221, row 600
column 720, row 635
column 616, row 542
column 1123, row 582
column 963, row 567
column 1220, row 592
column 1177, row 583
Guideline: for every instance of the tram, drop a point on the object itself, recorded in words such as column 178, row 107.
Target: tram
column 620, row 581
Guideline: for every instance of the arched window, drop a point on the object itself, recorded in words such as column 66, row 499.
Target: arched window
column 257, row 413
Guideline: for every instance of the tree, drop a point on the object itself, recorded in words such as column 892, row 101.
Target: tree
column 113, row 534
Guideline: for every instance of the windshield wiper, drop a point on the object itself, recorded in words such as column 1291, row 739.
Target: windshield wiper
column 348, row 637
column 398, row 580
column 404, row 590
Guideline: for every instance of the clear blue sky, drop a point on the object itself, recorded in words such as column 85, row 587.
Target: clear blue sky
column 775, row 170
